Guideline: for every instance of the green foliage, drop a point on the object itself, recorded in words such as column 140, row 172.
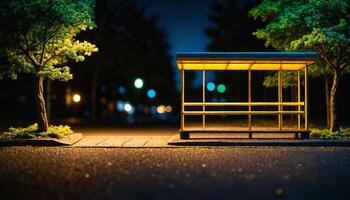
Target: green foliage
column 31, row 132
column 59, row 131
column 38, row 37
column 307, row 25
column 19, row 132
column 289, row 79
column 344, row 133
column 300, row 24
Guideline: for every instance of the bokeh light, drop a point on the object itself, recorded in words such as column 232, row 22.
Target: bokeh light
column 120, row 105
column 153, row 110
column 221, row 88
column 169, row 109
column 121, row 89
column 138, row 83
column 161, row 109
column 210, row 86
column 76, row 98
column 151, row 93
column 128, row 108
column 146, row 109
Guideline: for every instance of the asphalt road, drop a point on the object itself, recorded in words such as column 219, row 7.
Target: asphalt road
column 175, row 173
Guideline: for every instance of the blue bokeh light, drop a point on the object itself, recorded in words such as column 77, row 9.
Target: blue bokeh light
column 120, row 106
column 151, row 93
column 211, row 86
column 121, row 89
column 153, row 110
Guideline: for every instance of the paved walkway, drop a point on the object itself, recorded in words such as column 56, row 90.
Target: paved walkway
column 170, row 140
column 156, row 137
column 124, row 141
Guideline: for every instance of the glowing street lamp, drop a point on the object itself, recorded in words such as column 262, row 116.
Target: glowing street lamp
column 76, row 98
column 138, row 83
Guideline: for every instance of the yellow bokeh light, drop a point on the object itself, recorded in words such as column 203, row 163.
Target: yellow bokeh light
column 169, row 109
column 161, row 109
column 76, row 98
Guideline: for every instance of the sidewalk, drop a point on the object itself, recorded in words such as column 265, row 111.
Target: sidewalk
column 124, row 141
column 154, row 139
column 170, row 140
column 206, row 140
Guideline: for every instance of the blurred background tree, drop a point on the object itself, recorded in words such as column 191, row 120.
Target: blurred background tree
column 38, row 38
column 131, row 45
column 231, row 29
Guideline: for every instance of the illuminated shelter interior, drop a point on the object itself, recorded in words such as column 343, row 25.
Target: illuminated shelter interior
column 247, row 61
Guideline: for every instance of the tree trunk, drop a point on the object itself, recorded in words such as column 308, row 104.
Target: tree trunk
column 333, row 126
column 94, row 85
column 48, row 99
column 326, row 88
column 42, row 120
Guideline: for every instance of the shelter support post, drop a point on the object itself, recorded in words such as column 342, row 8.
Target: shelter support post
column 306, row 103
column 305, row 134
column 280, row 107
column 249, row 102
column 183, row 135
column 299, row 107
column 203, row 98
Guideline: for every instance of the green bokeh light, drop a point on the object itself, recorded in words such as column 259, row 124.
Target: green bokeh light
column 221, row 88
column 138, row 83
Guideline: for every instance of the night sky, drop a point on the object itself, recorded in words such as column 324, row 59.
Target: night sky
column 184, row 21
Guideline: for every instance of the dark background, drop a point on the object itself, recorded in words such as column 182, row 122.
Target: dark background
column 139, row 39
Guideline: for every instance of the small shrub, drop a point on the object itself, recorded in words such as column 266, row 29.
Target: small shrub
column 19, row 132
column 344, row 133
column 31, row 132
column 59, row 131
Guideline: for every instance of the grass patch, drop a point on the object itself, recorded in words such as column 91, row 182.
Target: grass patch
column 31, row 132
column 344, row 133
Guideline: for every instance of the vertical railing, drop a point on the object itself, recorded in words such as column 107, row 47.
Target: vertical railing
column 299, row 99
column 182, row 99
column 306, row 110
column 280, row 91
column 249, row 99
column 203, row 99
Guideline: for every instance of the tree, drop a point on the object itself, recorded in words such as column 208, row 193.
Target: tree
column 320, row 25
column 290, row 81
column 131, row 45
column 38, row 38
column 230, row 30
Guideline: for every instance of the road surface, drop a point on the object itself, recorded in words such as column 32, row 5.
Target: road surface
column 175, row 173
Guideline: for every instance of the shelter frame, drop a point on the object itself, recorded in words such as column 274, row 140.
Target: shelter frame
column 248, row 61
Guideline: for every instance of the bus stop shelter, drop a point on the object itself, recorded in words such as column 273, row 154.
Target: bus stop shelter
column 247, row 61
